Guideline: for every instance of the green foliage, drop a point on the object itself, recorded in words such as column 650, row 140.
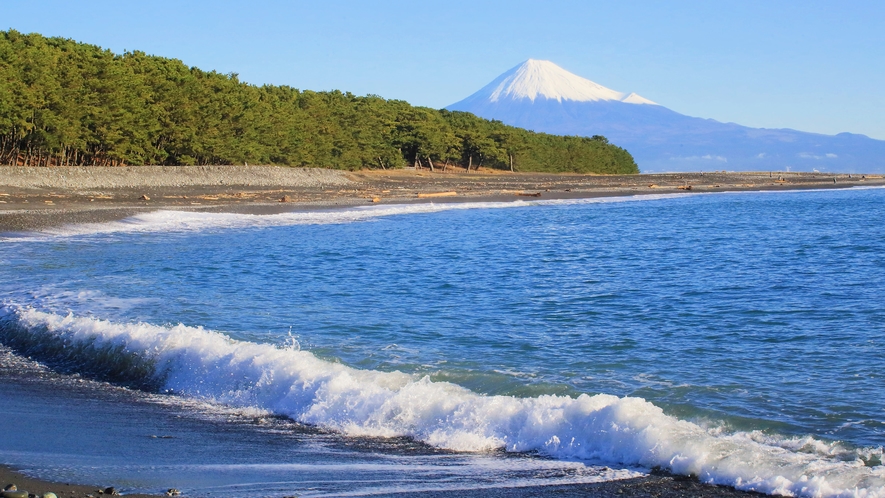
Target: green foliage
column 69, row 103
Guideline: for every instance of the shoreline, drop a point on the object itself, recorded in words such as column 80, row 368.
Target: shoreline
column 37, row 198
column 18, row 377
column 25, row 207
column 10, row 475
column 657, row 484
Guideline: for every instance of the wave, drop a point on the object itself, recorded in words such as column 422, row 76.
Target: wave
column 210, row 366
column 171, row 221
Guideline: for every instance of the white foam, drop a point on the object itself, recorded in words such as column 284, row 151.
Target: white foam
column 171, row 221
column 210, row 366
column 438, row 473
column 53, row 297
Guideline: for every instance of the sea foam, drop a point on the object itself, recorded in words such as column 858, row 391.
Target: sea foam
column 173, row 221
column 210, row 366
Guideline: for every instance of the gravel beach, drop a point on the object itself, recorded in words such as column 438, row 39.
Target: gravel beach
column 35, row 198
column 61, row 489
column 98, row 178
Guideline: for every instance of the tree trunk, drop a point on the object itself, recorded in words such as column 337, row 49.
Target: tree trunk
column 417, row 162
column 381, row 163
column 430, row 162
column 469, row 163
column 445, row 166
column 511, row 163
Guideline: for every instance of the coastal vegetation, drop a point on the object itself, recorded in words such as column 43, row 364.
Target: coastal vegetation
column 68, row 103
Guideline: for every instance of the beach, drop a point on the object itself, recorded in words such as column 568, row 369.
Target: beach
column 658, row 486
column 33, row 198
column 62, row 489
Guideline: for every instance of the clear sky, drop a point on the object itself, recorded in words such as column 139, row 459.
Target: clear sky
column 808, row 65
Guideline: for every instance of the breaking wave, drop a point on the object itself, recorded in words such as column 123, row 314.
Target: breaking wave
column 210, row 366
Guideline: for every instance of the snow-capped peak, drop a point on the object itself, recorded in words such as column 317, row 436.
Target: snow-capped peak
column 635, row 98
column 534, row 78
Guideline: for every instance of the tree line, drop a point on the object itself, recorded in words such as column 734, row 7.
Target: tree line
column 68, row 103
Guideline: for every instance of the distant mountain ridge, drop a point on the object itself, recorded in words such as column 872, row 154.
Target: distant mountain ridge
column 541, row 96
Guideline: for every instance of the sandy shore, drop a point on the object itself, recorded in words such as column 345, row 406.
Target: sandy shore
column 33, row 198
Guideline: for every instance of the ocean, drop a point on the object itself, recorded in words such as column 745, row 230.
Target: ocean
column 735, row 337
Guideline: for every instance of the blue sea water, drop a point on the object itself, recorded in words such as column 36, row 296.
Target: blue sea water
column 736, row 337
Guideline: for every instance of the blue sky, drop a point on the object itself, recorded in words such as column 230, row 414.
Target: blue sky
column 812, row 66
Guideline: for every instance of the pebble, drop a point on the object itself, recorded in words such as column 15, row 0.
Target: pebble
column 97, row 177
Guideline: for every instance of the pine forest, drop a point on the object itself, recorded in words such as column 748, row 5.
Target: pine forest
column 67, row 103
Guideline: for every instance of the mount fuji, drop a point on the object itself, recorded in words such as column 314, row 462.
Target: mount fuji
column 541, row 96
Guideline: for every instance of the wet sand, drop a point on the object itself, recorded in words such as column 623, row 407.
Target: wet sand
column 35, row 198
column 62, row 490
column 663, row 486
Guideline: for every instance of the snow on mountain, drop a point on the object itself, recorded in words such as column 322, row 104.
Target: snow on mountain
column 635, row 98
column 534, row 78
column 541, row 96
